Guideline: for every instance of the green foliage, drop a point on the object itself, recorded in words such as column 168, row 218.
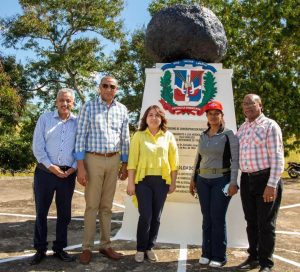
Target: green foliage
column 128, row 65
column 59, row 31
column 9, row 108
column 10, row 103
column 15, row 153
column 18, row 78
column 16, row 119
column 160, row 4
column 210, row 89
column 264, row 53
column 166, row 91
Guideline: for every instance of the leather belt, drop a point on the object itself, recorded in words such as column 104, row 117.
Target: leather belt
column 64, row 168
column 108, row 155
column 213, row 170
column 45, row 169
column 257, row 173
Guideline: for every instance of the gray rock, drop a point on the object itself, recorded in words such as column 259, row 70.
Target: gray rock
column 185, row 32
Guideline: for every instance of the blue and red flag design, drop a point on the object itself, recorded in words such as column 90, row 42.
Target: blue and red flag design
column 188, row 85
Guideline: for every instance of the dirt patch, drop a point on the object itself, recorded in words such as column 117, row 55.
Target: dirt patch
column 16, row 235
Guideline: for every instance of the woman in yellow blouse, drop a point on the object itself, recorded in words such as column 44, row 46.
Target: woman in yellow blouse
column 152, row 171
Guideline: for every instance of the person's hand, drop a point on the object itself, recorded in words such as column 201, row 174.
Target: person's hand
column 232, row 189
column 123, row 173
column 54, row 169
column 70, row 171
column 82, row 176
column 130, row 189
column 269, row 194
column 172, row 188
column 192, row 187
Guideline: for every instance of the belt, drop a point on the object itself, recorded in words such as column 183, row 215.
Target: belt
column 64, row 167
column 213, row 170
column 108, row 155
column 257, row 173
column 45, row 169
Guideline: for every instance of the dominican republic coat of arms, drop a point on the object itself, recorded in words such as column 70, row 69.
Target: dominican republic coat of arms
column 187, row 86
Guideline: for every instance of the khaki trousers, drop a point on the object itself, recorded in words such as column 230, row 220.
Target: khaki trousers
column 99, row 195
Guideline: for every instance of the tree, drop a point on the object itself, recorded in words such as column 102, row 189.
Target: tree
column 263, row 52
column 16, row 119
column 10, row 102
column 59, row 32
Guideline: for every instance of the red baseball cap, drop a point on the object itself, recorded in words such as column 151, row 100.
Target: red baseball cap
column 213, row 105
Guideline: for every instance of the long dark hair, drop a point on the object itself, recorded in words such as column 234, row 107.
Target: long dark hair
column 163, row 124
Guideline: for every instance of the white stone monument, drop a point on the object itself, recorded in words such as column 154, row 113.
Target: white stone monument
column 183, row 88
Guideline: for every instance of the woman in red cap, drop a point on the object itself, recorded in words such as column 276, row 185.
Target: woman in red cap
column 215, row 179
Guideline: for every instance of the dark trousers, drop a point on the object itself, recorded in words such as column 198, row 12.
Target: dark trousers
column 260, row 216
column 151, row 194
column 214, row 206
column 45, row 184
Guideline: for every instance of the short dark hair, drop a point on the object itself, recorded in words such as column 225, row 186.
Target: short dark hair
column 163, row 124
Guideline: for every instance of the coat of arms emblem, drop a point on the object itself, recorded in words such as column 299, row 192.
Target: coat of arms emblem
column 187, row 86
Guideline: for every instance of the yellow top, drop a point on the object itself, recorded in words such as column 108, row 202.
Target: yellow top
column 153, row 155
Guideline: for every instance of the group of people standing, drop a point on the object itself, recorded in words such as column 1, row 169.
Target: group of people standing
column 96, row 145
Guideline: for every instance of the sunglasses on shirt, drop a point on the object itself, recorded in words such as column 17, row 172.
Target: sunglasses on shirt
column 106, row 86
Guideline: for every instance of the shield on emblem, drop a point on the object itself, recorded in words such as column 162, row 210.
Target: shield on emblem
column 187, row 85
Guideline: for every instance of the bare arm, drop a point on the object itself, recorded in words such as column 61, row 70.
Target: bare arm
column 81, row 174
column 131, row 183
column 172, row 187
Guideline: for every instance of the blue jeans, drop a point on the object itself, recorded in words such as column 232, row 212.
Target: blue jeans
column 151, row 194
column 214, row 206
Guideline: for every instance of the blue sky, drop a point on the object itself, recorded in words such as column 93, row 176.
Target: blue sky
column 135, row 15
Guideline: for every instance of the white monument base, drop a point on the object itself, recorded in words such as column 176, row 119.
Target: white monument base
column 181, row 223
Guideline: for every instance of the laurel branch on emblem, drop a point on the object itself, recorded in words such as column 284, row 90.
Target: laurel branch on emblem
column 209, row 91
column 166, row 92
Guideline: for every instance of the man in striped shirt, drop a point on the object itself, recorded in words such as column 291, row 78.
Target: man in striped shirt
column 102, row 141
column 262, row 163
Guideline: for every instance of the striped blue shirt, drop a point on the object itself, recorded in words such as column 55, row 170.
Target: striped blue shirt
column 102, row 129
column 54, row 140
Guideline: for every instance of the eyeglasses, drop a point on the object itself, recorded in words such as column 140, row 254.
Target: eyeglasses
column 248, row 104
column 106, row 86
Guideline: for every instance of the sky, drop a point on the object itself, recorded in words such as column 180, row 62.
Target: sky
column 135, row 15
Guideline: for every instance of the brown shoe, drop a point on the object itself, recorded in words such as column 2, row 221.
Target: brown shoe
column 110, row 253
column 85, row 256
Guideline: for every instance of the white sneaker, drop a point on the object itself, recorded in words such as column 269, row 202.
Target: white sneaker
column 139, row 256
column 151, row 255
column 216, row 264
column 204, row 260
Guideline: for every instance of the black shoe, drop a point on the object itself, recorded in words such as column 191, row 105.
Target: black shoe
column 265, row 269
column 64, row 256
column 248, row 264
column 37, row 257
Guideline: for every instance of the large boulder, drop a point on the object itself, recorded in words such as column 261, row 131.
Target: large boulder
column 186, row 32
